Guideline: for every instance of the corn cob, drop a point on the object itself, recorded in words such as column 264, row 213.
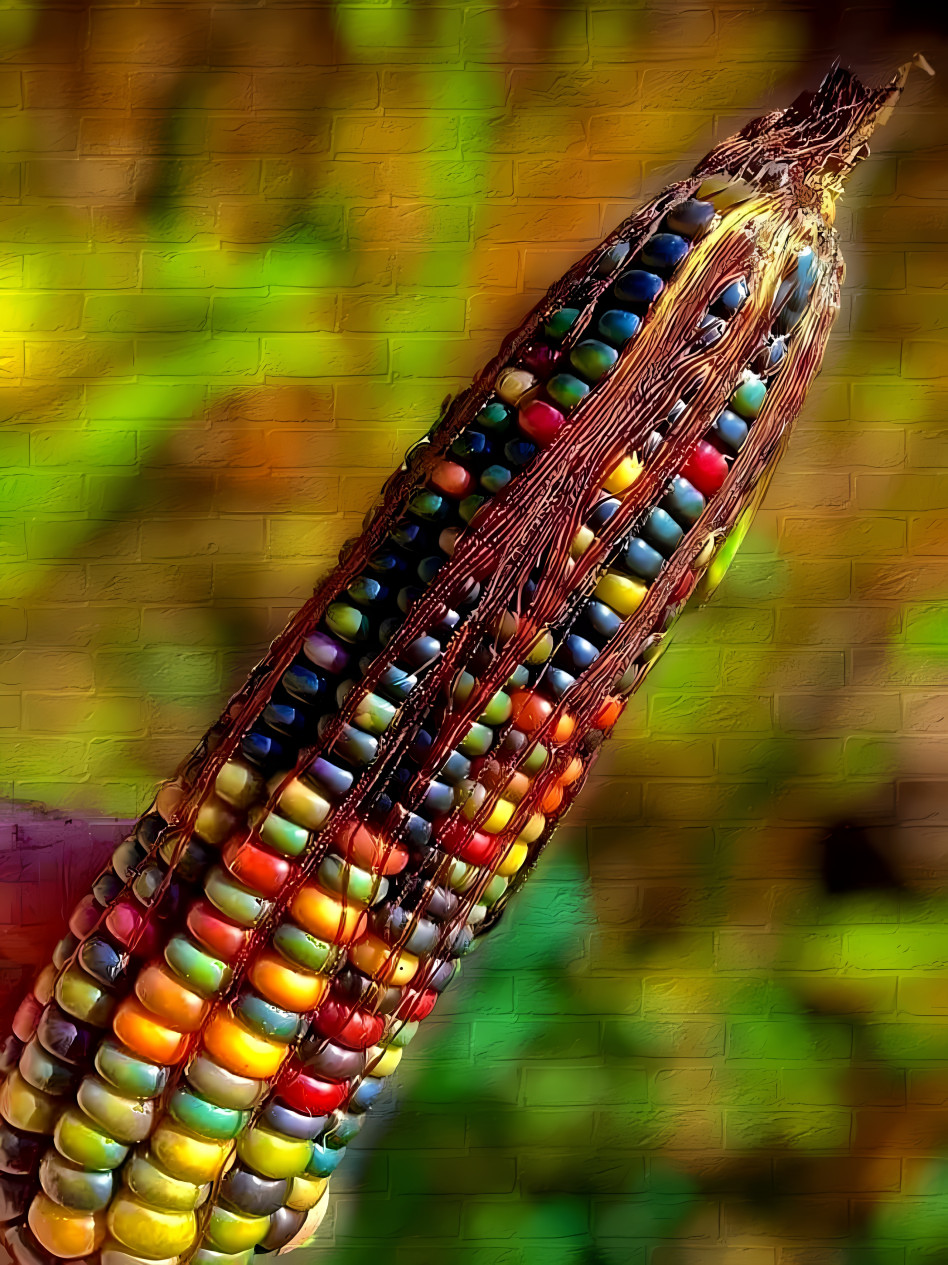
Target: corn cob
column 185, row 1074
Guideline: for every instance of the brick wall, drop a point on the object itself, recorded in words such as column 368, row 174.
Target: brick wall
column 244, row 254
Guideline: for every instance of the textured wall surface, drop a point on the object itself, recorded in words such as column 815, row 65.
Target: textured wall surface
column 245, row 251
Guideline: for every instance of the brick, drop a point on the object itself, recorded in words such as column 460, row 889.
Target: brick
column 818, row 446
column 88, row 448
column 536, row 221
column 530, row 132
column 928, row 446
column 899, row 313
column 194, row 269
column 449, row 178
column 139, row 135
column 768, row 1039
column 318, row 537
column 846, row 536
column 923, row 358
column 145, row 313
column 175, row 538
column 83, row 179
column 298, row 494
column 596, row 178
column 272, row 313
column 216, row 355
column 279, row 134
column 617, row 33
column 41, row 313
column 650, row 1129
column 47, row 88
column 791, row 490
column 926, row 269
column 302, row 449
column 698, row 801
column 358, row 136
column 215, row 89
column 474, row 1172
column 72, row 270
column 343, row 180
column 415, row 357
column 490, row 34
column 812, row 1129
column 909, row 492
column 439, row 89
column 392, row 35
column 321, row 356
column 851, row 356
column 410, row 223
column 22, row 224
column 420, row 313
column 696, row 713
column 131, row 582
column 645, row 132
column 338, row 87
column 492, row 266
column 152, row 36
column 286, row 580
column 919, row 225
column 214, row 178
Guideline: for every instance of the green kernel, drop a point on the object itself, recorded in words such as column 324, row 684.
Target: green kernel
column 300, row 947
column 206, row 975
column 566, row 389
column 561, row 322
column 127, row 1072
column 205, row 1118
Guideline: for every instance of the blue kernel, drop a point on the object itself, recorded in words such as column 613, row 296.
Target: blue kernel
column 577, row 653
column 732, row 299
column 438, row 799
column 410, row 536
column 366, row 590
column 429, row 567
column 284, row 719
column 557, row 681
column 455, row 768
column 520, row 452
column 396, row 683
column 662, row 531
column 683, row 501
column 641, row 559
column 388, row 564
column 332, row 777
column 494, row 478
column 602, row 512
column 731, row 430
column 305, row 684
column 690, row 218
column 473, row 443
column 602, row 619
column 664, row 251
column 260, row 748
column 614, row 256
column 638, row 287
column 618, row 325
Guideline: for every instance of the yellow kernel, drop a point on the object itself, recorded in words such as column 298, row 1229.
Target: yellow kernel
column 623, row 475
column 621, row 592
